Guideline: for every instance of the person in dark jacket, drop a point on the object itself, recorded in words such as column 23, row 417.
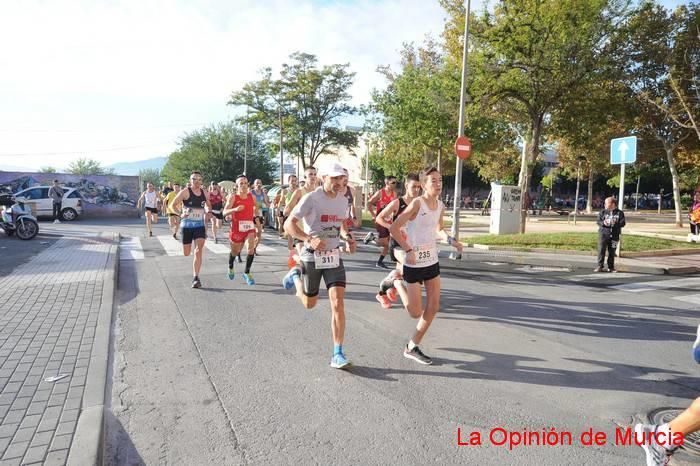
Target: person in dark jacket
column 611, row 220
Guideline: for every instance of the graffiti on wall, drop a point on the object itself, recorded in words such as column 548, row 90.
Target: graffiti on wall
column 103, row 195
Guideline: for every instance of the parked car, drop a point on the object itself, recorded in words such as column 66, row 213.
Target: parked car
column 71, row 208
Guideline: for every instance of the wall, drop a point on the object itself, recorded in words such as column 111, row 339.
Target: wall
column 103, row 196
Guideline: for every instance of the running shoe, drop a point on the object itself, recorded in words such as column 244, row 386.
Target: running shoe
column 612, row 270
column 239, row 259
column 657, row 455
column 231, row 274
column 339, row 361
column 382, row 265
column 291, row 263
column 175, row 236
column 150, row 234
column 196, row 283
column 248, row 277
column 598, row 269
column 384, row 301
column 368, row 237
column 392, row 294
column 288, row 280
column 417, row 355
column 696, row 347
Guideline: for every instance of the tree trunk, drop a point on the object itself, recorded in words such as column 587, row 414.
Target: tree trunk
column 589, row 200
column 676, row 188
column 528, row 165
column 439, row 164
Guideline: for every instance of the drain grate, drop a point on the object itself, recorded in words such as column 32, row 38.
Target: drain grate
column 662, row 415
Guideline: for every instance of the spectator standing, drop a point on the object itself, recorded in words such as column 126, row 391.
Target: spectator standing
column 56, row 195
column 611, row 220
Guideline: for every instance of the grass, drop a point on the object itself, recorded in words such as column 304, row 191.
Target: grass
column 577, row 242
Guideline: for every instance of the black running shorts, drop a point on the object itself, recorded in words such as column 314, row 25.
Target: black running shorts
column 419, row 275
column 311, row 277
column 191, row 234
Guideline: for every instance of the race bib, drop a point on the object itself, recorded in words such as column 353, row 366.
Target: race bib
column 245, row 225
column 327, row 259
column 195, row 214
column 426, row 254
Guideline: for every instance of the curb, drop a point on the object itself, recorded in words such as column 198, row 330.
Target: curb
column 88, row 441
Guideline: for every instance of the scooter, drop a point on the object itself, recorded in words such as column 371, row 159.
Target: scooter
column 17, row 218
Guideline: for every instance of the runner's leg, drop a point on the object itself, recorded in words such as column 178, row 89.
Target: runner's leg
column 432, row 306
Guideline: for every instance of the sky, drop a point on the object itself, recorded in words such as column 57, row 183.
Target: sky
column 123, row 80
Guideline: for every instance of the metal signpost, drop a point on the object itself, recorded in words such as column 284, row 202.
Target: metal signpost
column 622, row 151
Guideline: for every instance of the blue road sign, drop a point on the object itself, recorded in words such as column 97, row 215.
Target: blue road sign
column 623, row 150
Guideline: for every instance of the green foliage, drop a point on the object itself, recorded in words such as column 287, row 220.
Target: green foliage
column 86, row 167
column 48, row 169
column 217, row 152
column 306, row 102
column 150, row 175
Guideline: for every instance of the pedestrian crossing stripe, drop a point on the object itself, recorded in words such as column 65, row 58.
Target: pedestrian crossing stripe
column 688, row 283
column 131, row 248
column 604, row 276
column 689, row 298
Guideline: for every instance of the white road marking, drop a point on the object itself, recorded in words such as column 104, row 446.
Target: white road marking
column 689, row 283
column 172, row 246
column 689, row 298
column 604, row 276
column 130, row 249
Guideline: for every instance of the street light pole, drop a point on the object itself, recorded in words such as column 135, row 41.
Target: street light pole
column 366, row 174
column 578, row 184
column 460, row 130
column 245, row 146
column 281, row 150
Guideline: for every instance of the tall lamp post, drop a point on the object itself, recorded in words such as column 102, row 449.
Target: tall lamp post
column 578, row 185
column 460, row 131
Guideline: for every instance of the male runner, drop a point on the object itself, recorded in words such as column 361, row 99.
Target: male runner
column 173, row 210
column 323, row 213
column 286, row 196
column 241, row 207
column 167, row 189
column 422, row 220
column 387, row 290
column 216, row 198
column 310, row 184
column 351, row 222
column 376, row 203
column 261, row 201
column 194, row 199
column 151, row 199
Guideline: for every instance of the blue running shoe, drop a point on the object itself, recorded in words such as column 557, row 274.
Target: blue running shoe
column 696, row 347
column 248, row 277
column 288, row 280
column 339, row 361
column 231, row 275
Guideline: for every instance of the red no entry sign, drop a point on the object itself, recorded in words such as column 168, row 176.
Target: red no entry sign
column 463, row 147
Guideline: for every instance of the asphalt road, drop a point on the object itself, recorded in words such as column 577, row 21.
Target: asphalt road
column 232, row 374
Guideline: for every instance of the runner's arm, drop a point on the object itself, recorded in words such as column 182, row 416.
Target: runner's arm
column 353, row 209
column 395, row 228
column 228, row 208
column 140, row 201
column 371, row 204
column 443, row 235
column 348, row 237
column 292, row 203
column 386, row 213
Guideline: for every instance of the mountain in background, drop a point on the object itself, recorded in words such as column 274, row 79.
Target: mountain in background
column 132, row 168
column 14, row 168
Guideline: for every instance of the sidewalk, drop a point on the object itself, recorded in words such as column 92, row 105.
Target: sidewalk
column 54, row 335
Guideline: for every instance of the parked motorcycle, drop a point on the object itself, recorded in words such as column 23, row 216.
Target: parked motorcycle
column 17, row 218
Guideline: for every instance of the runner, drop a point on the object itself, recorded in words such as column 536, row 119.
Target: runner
column 310, row 184
column 422, row 220
column 151, row 199
column 387, row 291
column 351, row 222
column 261, row 201
column 216, row 198
column 173, row 210
column 378, row 201
column 167, row 189
column 286, row 196
column 323, row 214
column 241, row 207
column 194, row 199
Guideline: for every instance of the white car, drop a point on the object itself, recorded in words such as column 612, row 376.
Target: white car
column 71, row 208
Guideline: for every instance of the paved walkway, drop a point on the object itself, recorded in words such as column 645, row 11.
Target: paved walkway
column 48, row 319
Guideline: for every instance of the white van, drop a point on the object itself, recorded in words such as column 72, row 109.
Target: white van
column 71, row 208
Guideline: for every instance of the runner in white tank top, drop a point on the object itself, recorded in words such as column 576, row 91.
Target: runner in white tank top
column 422, row 221
column 150, row 199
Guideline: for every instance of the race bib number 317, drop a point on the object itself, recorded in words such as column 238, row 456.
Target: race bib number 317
column 327, row 259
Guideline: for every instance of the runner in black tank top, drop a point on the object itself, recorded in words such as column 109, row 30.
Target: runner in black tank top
column 194, row 218
column 387, row 289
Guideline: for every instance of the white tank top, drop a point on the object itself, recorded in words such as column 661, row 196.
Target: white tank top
column 151, row 199
column 421, row 234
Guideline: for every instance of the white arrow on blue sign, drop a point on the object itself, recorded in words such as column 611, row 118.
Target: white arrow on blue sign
column 623, row 150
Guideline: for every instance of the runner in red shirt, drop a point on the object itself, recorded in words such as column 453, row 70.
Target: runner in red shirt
column 241, row 207
column 376, row 203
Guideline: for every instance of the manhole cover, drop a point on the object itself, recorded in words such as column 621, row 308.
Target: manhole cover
column 691, row 442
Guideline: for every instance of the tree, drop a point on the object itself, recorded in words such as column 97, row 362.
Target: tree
column 217, row 152
column 305, row 103
column 86, row 167
column 48, row 169
column 652, row 38
column 530, row 57
column 150, row 175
